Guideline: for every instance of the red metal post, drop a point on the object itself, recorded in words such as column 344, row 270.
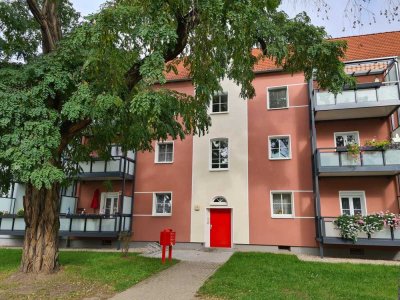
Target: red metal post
column 163, row 254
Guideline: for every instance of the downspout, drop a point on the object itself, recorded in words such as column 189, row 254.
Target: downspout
column 317, row 198
column 122, row 202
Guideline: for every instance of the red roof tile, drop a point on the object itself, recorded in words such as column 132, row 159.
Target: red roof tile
column 359, row 47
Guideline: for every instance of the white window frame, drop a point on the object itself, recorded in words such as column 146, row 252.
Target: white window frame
column 213, row 203
column 270, row 150
column 210, row 155
column 281, row 216
column 227, row 104
column 276, row 88
column 108, row 195
column 154, row 209
column 157, row 151
column 360, row 194
column 357, row 133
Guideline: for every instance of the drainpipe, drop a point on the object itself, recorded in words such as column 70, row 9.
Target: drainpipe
column 317, row 198
column 122, row 203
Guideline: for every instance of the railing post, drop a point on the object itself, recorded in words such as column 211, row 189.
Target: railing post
column 340, row 158
column 361, row 159
column 392, row 233
column 383, row 157
column 101, row 219
column 70, row 224
column 12, row 225
column 84, row 226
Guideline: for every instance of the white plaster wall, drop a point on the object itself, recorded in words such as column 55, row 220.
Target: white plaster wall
column 231, row 184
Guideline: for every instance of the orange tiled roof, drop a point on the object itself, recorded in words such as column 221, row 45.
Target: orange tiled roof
column 359, row 47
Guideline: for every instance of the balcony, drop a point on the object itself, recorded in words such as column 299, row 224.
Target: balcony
column 386, row 237
column 376, row 93
column 74, row 225
column 114, row 169
column 369, row 162
column 369, row 100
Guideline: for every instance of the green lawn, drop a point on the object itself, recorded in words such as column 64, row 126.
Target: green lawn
column 279, row 276
column 83, row 274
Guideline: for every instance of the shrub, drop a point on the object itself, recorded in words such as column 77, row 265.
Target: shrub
column 20, row 213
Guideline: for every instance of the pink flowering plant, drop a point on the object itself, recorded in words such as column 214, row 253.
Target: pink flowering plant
column 351, row 226
column 390, row 219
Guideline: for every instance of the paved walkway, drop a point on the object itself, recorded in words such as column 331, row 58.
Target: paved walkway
column 181, row 281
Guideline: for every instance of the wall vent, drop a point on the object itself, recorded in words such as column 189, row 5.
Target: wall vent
column 356, row 251
column 106, row 242
column 284, row 248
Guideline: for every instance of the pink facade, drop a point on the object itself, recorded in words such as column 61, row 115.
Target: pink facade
column 175, row 177
column 294, row 174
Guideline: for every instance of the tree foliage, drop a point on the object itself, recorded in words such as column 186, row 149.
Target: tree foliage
column 100, row 79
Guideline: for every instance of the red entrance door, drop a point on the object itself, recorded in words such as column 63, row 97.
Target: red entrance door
column 220, row 228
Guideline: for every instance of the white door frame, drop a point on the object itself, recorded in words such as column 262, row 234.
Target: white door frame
column 207, row 235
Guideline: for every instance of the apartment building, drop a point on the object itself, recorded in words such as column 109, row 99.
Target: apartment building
column 273, row 172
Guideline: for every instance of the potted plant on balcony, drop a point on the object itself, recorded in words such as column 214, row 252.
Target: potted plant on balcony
column 371, row 224
column 20, row 213
column 349, row 226
column 354, row 150
column 390, row 219
column 377, row 144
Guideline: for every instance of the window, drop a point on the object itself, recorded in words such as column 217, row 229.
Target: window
column 116, row 150
column 219, row 201
column 278, row 98
column 342, row 139
column 352, row 203
column 279, row 147
column 162, row 205
column 220, row 103
column 282, row 204
column 109, row 203
column 165, row 152
column 219, row 154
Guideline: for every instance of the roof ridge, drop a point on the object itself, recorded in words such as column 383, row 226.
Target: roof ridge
column 359, row 35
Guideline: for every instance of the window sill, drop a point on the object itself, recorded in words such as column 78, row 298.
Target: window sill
column 278, row 108
column 163, row 162
column 282, row 216
column 218, row 170
column 161, row 215
column 219, row 113
column 287, row 158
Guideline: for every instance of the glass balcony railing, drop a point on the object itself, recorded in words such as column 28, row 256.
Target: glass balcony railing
column 370, row 93
column 336, row 161
column 331, row 234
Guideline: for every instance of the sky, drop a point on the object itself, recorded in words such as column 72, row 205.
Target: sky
column 334, row 21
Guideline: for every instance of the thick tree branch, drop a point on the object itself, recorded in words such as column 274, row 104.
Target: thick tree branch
column 185, row 24
column 69, row 130
column 49, row 23
column 263, row 46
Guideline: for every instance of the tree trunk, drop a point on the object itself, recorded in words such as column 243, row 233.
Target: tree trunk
column 41, row 208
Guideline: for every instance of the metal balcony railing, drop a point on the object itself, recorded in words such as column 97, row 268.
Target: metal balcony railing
column 331, row 235
column 117, row 166
column 74, row 225
column 369, row 161
column 363, row 94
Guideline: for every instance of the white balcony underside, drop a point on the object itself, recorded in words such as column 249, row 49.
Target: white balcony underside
column 355, row 111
